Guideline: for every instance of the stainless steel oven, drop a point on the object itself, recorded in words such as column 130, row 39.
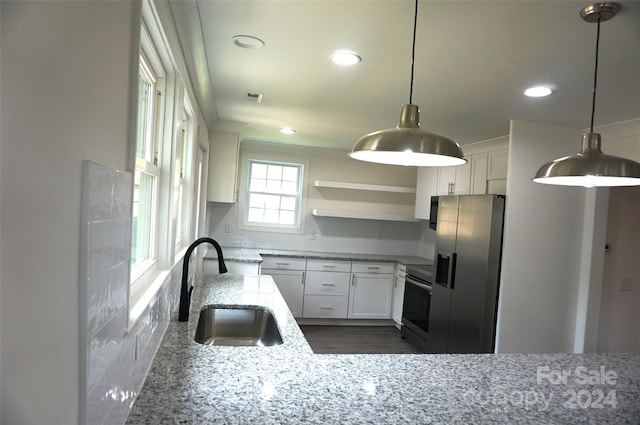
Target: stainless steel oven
column 416, row 305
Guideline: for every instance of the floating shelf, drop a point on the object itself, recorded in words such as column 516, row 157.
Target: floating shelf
column 366, row 216
column 361, row 186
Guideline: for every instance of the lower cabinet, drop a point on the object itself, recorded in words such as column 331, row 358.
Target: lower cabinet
column 326, row 293
column 288, row 273
column 291, row 286
column 326, row 289
column 371, row 291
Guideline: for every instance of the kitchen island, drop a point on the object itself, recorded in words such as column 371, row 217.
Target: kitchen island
column 192, row 383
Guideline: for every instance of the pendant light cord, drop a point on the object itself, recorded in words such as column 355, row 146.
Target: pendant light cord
column 413, row 52
column 595, row 77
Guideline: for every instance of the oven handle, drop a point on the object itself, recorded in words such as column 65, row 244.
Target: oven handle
column 408, row 279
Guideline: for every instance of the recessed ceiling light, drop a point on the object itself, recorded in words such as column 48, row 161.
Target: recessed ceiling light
column 247, row 41
column 287, row 130
column 538, row 91
column 345, row 58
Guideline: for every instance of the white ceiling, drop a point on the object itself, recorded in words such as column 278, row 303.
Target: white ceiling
column 473, row 60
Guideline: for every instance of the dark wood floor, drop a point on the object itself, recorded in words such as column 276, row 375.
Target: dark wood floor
column 356, row 340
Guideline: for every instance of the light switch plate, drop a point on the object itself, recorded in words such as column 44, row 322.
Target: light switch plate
column 626, row 283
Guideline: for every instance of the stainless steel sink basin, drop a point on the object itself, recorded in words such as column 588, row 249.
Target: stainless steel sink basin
column 245, row 326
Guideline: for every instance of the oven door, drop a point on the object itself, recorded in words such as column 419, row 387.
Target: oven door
column 415, row 309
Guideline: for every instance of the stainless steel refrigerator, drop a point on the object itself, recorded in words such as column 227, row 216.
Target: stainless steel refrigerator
column 464, row 295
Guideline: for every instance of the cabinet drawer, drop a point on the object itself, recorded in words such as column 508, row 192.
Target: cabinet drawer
column 323, row 306
column 284, row 263
column 329, row 266
column 327, row 283
column 372, row 267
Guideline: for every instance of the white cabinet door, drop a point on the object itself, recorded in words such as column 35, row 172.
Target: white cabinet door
column 370, row 296
column 426, row 187
column 462, row 182
column 478, row 174
column 455, row 180
column 446, row 180
column 497, row 164
column 398, row 295
column 290, row 283
column 223, row 164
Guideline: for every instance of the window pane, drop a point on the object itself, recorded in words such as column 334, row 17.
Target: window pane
column 288, row 203
column 256, row 215
column 290, row 174
column 258, row 170
column 272, row 202
column 256, row 201
column 274, row 186
column 144, row 108
column 258, row 185
column 287, row 217
column 141, row 234
column 274, row 172
column 271, row 216
column 289, row 188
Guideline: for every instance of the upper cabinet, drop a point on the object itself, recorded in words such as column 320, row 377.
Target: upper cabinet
column 455, row 180
column 223, row 164
column 484, row 173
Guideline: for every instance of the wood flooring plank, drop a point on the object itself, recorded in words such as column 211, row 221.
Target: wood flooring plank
column 356, row 340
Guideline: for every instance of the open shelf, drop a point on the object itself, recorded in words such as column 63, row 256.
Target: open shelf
column 361, row 186
column 366, row 216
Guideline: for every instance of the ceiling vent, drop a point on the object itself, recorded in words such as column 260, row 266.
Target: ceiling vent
column 254, row 97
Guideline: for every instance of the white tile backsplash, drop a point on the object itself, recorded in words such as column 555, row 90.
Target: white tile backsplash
column 115, row 360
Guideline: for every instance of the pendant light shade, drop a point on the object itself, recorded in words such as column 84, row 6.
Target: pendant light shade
column 408, row 144
column 591, row 167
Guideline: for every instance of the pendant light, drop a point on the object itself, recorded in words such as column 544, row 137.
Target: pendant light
column 591, row 167
column 407, row 144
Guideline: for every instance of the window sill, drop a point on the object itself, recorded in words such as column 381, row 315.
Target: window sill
column 143, row 292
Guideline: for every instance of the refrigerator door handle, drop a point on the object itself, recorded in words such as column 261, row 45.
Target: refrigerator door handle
column 452, row 270
column 442, row 268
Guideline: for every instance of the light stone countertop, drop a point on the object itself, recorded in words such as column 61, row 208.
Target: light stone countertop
column 191, row 383
column 255, row 255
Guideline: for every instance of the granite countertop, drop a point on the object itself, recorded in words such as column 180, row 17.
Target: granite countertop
column 288, row 384
column 255, row 255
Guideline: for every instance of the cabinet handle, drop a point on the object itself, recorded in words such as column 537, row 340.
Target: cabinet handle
column 328, row 266
column 328, row 284
column 326, row 308
column 373, row 268
column 303, row 277
column 353, row 280
column 282, row 264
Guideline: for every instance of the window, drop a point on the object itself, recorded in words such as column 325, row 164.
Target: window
column 273, row 193
column 147, row 172
column 183, row 178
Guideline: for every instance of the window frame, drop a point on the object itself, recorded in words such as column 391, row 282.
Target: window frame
column 246, row 158
column 154, row 71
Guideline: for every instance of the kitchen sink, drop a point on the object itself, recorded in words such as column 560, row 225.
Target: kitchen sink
column 237, row 326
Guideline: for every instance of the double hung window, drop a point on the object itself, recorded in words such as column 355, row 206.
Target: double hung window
column 272, row 192
column 147, row 169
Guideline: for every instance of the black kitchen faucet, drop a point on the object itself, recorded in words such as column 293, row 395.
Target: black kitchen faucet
column 185, row 294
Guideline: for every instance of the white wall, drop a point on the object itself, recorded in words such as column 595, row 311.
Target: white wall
column 542, row 246
column 337, row 234
column 617, row 323
column 66, row 84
